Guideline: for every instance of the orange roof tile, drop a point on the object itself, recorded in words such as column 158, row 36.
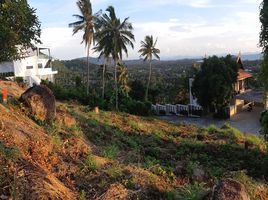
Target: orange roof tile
column 243, row 75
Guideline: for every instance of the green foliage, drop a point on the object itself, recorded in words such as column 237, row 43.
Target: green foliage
column 83, row 195
column 73, row 93
column 114, row 171
column 264, row 124
column 110, row 151
column 9, row 153
column 148, row 51
column 213, row 85
column 113, row 37
column 264, row 45
column 136, row 107
column 14, row 16
column 90, row 163
column 191, row 192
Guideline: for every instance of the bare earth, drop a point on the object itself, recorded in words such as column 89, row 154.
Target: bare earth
column 247, row 122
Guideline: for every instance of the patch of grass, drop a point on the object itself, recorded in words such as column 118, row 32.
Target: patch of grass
column 191, row 192
column 256, row 141
column 8, row 152
column 83, row 195
column 150, row 162
column 254, row 189
column 212, row 129
column 114, row 171
column 232, row 133
column 110, row 151
column 134, row 125
column 90, row 163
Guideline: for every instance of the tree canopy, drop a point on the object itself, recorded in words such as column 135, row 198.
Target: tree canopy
column 264, row 45
column 213, row 85
column 148, row 51
column 19, row 25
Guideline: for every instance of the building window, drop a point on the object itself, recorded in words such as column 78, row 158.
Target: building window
column 40, row 65
column 29, row 67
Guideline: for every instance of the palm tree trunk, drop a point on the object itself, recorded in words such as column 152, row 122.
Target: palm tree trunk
column 149, row 80
column 88, row 71
column 116, row 86
column 103, row 79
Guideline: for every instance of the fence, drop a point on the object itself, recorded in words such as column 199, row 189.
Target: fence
column 178, row 109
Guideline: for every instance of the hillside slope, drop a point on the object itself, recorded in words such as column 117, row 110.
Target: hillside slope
column 84, row 155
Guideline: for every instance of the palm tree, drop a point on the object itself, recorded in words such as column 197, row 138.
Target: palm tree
column 148, row 50
column 113, row 37
column 85, row 24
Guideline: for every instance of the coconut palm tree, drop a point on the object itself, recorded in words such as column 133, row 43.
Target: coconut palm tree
column 85, row 23
column 148, row 51
column 113, row 37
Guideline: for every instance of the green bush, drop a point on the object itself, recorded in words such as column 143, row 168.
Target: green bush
column 136, row 107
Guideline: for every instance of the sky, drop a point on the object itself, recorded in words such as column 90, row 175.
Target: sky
column 184, row 28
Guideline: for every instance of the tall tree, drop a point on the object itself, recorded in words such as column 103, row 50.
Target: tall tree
column 19, row 25
column 264, row 45
column 85, row 23
column 148, row 51
column 113, row 37
column 213, row 84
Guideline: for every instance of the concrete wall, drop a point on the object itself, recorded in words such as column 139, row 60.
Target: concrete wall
column 236, row 107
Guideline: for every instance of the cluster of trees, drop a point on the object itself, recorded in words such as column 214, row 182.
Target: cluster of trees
column 213, row 85
column 112, row 37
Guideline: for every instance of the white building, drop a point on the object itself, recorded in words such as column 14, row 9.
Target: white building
column 34, row 67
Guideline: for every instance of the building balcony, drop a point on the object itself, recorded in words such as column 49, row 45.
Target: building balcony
column 46, row 71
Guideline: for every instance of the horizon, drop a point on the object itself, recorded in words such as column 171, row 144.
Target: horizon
column 184, row 29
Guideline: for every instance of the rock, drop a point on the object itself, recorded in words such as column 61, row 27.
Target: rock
column 229, row 189
column 41, row 102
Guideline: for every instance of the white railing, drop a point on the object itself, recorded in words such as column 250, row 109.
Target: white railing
column 178, row 109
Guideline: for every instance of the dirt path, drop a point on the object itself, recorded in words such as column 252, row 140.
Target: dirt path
column 247, row 122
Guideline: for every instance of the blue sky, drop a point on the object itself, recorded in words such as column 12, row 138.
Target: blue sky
column 183, row 27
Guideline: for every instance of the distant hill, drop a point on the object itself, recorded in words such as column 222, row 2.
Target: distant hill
column 96, row 61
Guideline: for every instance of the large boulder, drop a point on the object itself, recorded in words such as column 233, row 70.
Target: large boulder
column 40, row 101
column 229, row 189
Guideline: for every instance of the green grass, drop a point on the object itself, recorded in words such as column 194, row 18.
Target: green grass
column 114, row 171
column 110, row 151
column 90, row 163
column 9, row 153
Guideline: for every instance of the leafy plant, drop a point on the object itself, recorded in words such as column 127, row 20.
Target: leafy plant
column 110, row 151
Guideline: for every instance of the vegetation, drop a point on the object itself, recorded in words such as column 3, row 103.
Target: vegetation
column 14, row 16
column 113, row 37
column 264, row 45
column 213, row 84
column 148, row 50
column 85, row 23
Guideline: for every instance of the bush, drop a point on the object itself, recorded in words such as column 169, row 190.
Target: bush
column 73, row 93
column 264, row 124
column 222, row 113
column 136, row 107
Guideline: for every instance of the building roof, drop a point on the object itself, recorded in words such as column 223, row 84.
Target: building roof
column 243, row 75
